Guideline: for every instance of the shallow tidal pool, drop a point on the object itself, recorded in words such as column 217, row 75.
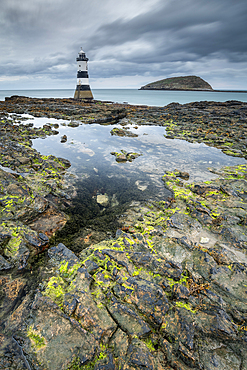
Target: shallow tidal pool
column 105, row 187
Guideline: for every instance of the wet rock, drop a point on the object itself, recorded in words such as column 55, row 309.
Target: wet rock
column 182, row 175
column 48, row 221
column 11, row 291
column 120, row 157
column 62, row 253
column 162, row 267
column 147, row 297
column 201, row 263
column 73, row 124
column 216, row 323
column 158, row 296
column 4, row 265
column 128, row 320
column 35, row 240
column 48, row 333
column 119, row 345
column 63, row 139
column 11, row 355
column 215, row 355
column 187, row 356
column 124, row 156
column 94, row 318
column 107, row 363
column 43, row 237
column 4, row 238
column 17, row 252
column 179, row 324
column 180, row 291
column 139, row 357
column 122, row 132
column 102, row 199
column 64, row 162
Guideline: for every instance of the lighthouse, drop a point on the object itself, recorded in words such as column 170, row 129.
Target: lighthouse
column 82, row 90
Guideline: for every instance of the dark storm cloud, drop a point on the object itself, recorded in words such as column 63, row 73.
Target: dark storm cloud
column 190, row 26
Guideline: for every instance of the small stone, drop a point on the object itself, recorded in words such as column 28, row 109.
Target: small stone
column 204, row 240
column 102, row 199
column 43, row 237
column 121, row 158
column 73, row 124
column 180, row 291
column 64, row 139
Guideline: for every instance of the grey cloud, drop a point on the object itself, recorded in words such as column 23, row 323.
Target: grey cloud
column 200, row 27
column 43, row 37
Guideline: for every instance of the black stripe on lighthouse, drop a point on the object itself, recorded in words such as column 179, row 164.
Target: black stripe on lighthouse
column 83, row 87
column 82, row 74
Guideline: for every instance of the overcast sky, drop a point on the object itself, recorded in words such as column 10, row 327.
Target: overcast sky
column 129, row 43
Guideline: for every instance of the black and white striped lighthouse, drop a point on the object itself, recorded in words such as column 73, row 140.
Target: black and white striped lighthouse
column 82, row 90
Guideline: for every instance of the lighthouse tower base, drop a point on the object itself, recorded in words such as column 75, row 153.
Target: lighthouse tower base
column 83, row 94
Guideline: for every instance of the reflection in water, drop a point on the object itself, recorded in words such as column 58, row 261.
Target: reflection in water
column 89, row 146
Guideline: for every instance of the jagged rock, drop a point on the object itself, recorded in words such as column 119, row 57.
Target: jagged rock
column 4, row 265
column 49, row 333
column 128, row 319
column 61, row 253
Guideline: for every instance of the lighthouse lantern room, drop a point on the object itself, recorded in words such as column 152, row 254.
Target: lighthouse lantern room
column 82, row 90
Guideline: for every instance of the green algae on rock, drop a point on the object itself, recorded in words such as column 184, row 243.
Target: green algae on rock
column 124, row 156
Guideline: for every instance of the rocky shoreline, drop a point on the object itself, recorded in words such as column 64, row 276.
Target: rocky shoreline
column 168, row 292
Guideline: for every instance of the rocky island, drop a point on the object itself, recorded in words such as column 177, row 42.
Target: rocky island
column 186, row 83
column 167, row 291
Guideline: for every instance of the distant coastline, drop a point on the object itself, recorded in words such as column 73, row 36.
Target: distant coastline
column 230, row 91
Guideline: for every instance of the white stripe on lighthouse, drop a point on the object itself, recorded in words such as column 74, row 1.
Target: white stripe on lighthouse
column 82, row 81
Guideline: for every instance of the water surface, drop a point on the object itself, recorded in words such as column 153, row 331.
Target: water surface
column 134, row 96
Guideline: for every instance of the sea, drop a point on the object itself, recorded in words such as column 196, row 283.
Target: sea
column 134, row 96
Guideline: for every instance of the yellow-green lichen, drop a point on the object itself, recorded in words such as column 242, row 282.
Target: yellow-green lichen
column 187, row 306
column 69, row 272
column 37, row 340
column 55, row 289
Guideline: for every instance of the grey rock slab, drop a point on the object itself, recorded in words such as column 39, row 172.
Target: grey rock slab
column 147, row 297
column 62, row 253
column 178, row 324
column 119, row 344
column 215, row 355
column 201, row 264
column 216, row 323
column 128, row 320
column 4, row 265
column 231, row 282
column 93, row 316
column 53, row 340
column 139, row 357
